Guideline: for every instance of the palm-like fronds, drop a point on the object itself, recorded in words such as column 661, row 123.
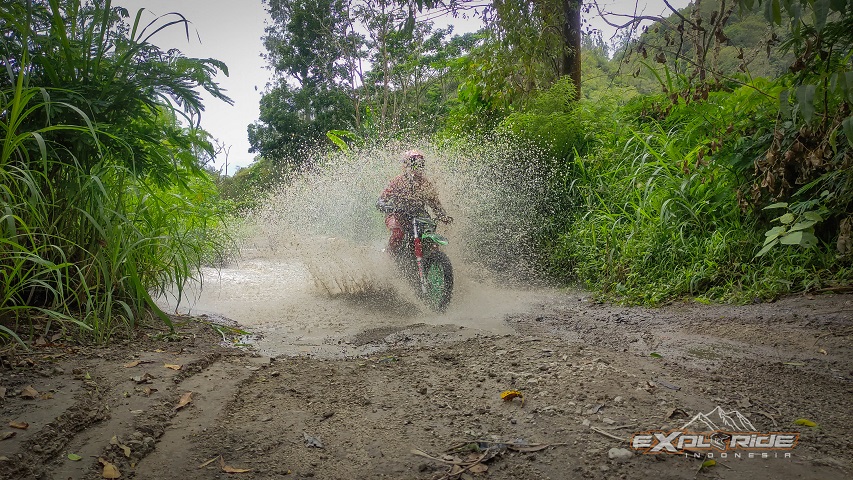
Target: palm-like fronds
column 97, row 208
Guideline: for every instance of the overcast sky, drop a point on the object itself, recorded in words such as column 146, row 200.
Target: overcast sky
column 231, row 31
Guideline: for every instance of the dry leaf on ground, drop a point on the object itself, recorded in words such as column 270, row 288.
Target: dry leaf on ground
column 110, row 470
column 29, row 392
column 228, row 469
column 173, row 367
column 19, row 425
column 7, row 435
column 509, row 395
column 210, row 461
column 185, row 400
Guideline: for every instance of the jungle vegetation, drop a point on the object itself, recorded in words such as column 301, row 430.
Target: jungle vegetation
column 706, row 155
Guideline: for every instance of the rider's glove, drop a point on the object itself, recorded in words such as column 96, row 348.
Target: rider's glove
column 385, row 206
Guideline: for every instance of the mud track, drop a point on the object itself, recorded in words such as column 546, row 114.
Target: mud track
column 586, row 371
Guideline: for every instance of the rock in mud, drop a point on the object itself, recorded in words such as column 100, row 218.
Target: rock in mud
column 621, row 455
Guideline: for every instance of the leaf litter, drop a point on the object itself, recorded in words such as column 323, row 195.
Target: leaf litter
column 222, row 466
column 124, row 448
column 110, row 470
column 30, row 393
column 184, row 400
column 477, row 453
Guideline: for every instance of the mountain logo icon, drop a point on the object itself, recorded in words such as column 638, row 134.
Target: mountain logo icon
column 719, row 420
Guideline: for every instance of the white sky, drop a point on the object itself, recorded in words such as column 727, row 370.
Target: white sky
column 231, row 31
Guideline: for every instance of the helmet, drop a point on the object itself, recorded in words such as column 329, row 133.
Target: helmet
column 413, row 158
column 410, row 154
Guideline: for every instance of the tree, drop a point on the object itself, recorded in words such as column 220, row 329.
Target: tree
column 357, row 65
column 305, row 48
column 572, row 42
column 529, row 31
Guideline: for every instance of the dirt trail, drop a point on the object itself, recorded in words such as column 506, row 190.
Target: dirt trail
column 584, row 368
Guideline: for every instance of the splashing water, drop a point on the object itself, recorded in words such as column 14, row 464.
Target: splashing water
column 313, row 277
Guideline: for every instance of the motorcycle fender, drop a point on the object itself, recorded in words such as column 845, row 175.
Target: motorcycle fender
column 435, row 238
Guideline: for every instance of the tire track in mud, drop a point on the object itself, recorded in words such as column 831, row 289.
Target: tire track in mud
column 35, row 454
column 213, row 390
column 101, row 409
column 369, row 413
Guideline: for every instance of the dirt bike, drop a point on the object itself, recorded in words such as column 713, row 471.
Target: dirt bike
column 423, row 263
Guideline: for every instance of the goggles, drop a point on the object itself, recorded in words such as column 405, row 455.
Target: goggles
column 416, row 162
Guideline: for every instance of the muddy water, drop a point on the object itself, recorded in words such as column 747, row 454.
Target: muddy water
column 312, row 277
column 347, row 305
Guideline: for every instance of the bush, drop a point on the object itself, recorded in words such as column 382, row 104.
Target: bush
column 659, row 215
column 103, row 202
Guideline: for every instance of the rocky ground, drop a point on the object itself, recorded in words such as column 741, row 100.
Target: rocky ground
column 187, row 406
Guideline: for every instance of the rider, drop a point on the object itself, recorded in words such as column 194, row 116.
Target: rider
column 409, row 193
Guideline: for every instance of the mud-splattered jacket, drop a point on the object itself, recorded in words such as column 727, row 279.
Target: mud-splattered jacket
column 410, row 193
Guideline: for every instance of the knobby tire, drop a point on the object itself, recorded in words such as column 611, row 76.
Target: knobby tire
column 439, row 277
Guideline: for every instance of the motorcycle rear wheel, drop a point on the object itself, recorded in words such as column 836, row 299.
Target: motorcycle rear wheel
column 439, row 281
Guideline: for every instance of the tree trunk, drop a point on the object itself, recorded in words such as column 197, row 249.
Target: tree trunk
column 572, row 43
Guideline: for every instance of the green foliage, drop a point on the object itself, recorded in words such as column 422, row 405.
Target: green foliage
column 551, row 121
column 656, row 212
column 807, row 162
column 664, row 203
column 102, row 202
column 557, row 124
column 794, row 229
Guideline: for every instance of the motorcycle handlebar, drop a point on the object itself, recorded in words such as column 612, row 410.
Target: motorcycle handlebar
column 388, row 207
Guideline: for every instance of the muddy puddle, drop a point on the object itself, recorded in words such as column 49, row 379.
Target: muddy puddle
column 339, row 305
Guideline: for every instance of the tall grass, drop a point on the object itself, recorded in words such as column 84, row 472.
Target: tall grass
column 647, row 229
column 656, row 214
column 102, row 201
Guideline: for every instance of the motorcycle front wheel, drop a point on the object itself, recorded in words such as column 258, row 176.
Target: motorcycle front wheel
column 438, row 275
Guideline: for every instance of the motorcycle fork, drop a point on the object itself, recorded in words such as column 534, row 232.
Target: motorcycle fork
column 419, row 256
